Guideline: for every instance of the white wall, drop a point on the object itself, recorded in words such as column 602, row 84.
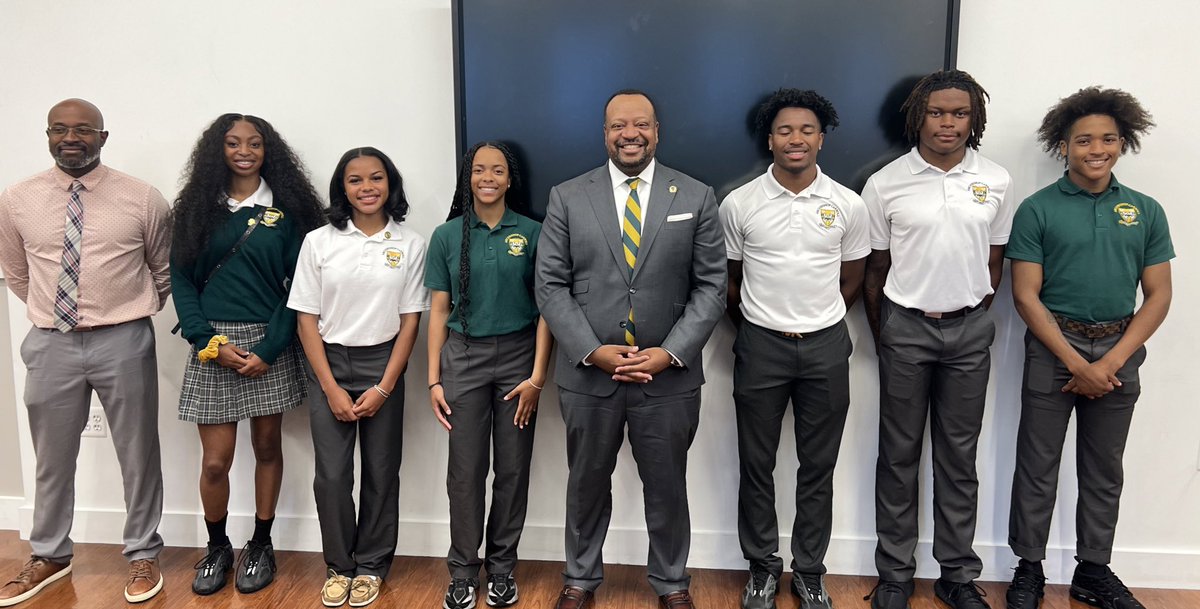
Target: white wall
column 380, row 73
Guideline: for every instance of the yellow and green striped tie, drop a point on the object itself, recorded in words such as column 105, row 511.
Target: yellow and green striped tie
column 631, row 236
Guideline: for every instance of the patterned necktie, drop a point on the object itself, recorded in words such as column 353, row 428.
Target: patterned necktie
column 66, row 309
column 631, row 236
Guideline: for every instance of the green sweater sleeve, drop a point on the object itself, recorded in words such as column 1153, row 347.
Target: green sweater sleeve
column 186, row 295
column 281, row 329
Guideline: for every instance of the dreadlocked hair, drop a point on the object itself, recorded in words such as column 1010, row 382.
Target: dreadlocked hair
column 200, row 208
column 795, row 98
column 915, row 106
column 463, row 205
column 1133, row 121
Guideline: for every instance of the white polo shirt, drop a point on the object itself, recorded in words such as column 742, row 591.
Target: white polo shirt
column 792, row 247
column 360, row 285
column 939, row 226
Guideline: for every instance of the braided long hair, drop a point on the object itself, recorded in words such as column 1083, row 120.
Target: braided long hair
column 463, row 205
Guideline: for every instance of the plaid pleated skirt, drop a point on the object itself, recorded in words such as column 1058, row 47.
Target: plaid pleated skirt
column 213, row 394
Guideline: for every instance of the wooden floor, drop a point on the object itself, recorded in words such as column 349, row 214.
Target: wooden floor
column 419, row 582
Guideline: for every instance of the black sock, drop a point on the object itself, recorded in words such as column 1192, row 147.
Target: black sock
column 262, row 530
column 216, row 531
column 1092, row 569
column 1032, row 565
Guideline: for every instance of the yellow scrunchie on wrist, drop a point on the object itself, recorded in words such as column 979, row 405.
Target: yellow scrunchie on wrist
column 214, row 343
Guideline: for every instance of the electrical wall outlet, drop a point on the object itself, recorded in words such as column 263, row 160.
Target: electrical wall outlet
column 97, row 425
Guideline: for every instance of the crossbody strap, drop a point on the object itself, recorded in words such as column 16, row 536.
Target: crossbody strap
column 250, row 226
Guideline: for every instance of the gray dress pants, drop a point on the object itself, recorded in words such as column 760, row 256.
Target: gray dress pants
column 813, row 373
column 366, row 544
column 119, row 364
column 1101, row 432
column 935, row 369
column 476, row 375
column 661, row 429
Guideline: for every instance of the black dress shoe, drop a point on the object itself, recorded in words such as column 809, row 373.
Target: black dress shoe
column 256, row 567
column 212, row 572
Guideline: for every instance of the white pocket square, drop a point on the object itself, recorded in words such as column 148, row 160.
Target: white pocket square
column 679, row 217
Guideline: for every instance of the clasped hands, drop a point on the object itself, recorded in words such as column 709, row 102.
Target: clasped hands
column 630, row 364
column 1093, row 380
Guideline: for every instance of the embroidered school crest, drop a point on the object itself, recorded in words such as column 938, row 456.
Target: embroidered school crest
column 1127, row 214
column 392, row 257
column 828, row 214
column 271, row 216
column 979, row 191
column 516, row 244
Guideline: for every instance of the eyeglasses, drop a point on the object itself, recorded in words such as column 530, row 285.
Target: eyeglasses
column 59, row 131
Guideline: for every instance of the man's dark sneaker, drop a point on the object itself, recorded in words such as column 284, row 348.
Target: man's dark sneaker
column 1026, row 590
column 502, row 589
column 890, row 595
column 212, row 572
column 256, row 567
column 960, row 596
column 1104, row 591
column 810, row 589
column 460, row 594
column 760, row 590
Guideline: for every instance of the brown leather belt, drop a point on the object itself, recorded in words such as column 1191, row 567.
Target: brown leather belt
column 1092, row 330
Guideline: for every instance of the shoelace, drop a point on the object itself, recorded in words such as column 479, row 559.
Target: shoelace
column 971, row 590
column 1026, row 583
column 361, row 584
column 252, row 555
column 812, row 584
column 460, row 590
column 139, row 569
column 209, row 562
column 886, row 587
column 26, row 574
column 499, row 583
column 1113, row 587
column 760, row 582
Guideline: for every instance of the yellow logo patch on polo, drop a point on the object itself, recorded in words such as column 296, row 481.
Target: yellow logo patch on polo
column 979, row 191
column 392, row 257
column 271, row 215
column 1127, row 214
column 828, row 214
column 516, row 244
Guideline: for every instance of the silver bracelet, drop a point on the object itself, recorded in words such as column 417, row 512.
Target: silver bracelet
column 385, row 394
column 530, row 381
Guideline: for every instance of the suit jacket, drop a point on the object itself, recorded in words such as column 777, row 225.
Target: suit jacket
column 584, row 288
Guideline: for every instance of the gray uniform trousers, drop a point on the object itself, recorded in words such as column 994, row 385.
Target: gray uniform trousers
column 476, row 375
column 364, row 545
column 661, row 429
column 812, row 372
column 1101, row 432
column 936, row 369
column 120, row 364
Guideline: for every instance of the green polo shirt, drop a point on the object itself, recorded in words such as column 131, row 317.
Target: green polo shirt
column 1092, row 248
column 501, row 286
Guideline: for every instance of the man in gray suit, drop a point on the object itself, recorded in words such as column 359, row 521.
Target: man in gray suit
column 631, row 278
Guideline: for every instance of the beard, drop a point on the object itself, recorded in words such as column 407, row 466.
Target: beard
column 76, row 163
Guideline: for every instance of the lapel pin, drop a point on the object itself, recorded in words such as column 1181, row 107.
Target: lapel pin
column 673, row 189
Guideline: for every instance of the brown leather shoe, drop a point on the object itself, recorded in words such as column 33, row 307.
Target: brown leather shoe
column 35, row 575
column 679, row 599
column 145, row 580
column 573, row 597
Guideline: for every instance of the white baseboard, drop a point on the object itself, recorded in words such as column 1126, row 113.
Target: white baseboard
column 1140, row 567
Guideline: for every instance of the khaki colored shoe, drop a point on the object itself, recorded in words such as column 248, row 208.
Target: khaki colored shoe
column 145, row 580
column 336, row 589
column 35, row 575
column 364, row 590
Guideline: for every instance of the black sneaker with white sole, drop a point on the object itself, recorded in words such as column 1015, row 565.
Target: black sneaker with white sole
column 502, row 590
column 461, row 594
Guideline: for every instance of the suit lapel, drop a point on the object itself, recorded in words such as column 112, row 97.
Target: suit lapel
column 600, row 194
column 661, row 198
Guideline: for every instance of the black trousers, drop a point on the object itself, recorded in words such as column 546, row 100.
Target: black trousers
column 812, row 373
column 1101, row 431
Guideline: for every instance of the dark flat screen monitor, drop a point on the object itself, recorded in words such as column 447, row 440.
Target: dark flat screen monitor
column 536, row 74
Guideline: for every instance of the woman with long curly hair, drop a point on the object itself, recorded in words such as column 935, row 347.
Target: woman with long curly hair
column 359, row 298
column 245, row 207
column 488, row 354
